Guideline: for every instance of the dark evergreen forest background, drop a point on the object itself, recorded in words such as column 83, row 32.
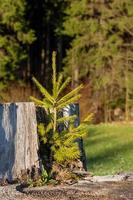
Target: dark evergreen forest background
column 93, row 41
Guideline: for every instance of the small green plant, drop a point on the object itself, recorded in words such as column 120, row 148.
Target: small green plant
column 41, row 180
column 44, row 176
column 62, row 143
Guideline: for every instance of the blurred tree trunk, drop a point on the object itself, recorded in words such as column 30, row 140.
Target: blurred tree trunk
column 126, row 92
column 47, row 56
column 105, row 106
column 75, row 73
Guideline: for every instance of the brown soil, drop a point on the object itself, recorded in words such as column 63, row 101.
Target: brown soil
column 87, row 191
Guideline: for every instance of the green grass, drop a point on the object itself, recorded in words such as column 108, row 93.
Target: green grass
column 109, row 148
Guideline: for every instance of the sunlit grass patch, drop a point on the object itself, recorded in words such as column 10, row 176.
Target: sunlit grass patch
column 109, row 148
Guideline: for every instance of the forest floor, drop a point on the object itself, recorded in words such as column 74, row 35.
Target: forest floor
column 97, row 188
column 96, row 191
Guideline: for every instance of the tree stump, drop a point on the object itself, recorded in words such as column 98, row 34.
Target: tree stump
column 18, row 140
column 73, row 109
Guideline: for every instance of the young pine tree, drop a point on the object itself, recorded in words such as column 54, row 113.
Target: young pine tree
column 62, row 144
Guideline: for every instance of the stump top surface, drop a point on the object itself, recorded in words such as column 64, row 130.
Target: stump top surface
column 7, row 103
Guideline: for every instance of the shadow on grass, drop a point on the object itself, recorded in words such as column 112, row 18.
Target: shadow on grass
column 100, row 139
column 96, row 132
column 109, row 155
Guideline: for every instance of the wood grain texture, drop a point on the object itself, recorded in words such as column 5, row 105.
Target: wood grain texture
column 18, row 139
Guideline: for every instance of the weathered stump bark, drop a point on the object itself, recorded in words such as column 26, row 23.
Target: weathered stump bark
column 73, row 109
column 18, row 140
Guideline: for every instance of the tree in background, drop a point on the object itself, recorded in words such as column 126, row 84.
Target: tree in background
column 28, row 35
column 48, row 38
column 101, row 32
column 14, row 38
column 101, row 46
